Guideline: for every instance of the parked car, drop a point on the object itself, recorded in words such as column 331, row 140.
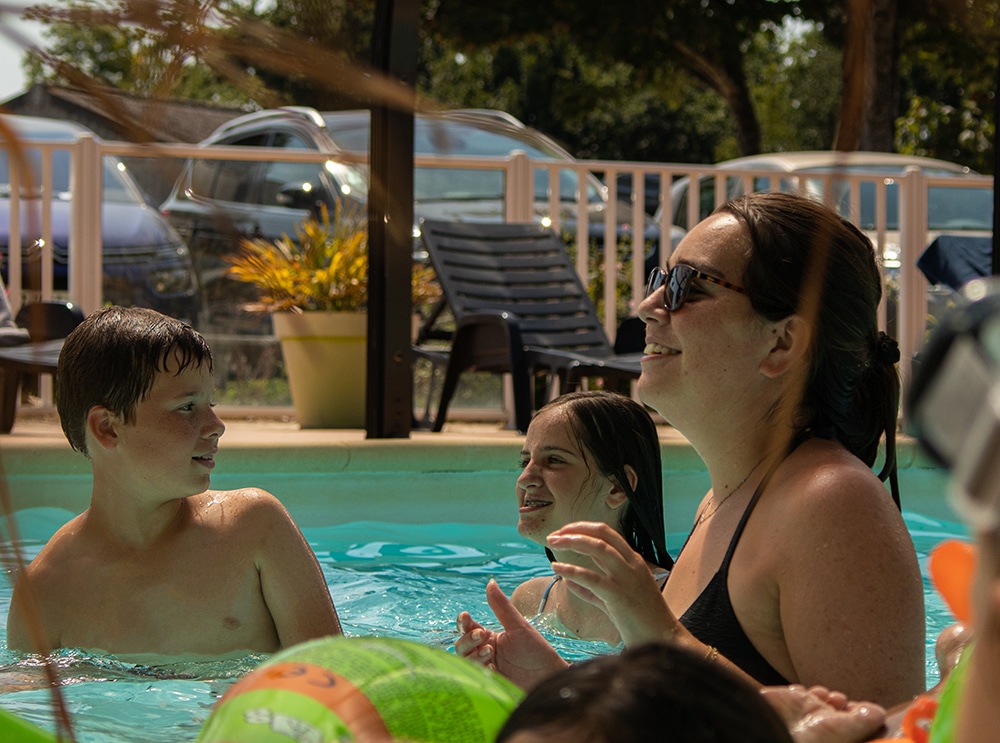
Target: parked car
column 650, row 188
column 948, row 209
column 146, row 263
column 967, row 211
column 216, row 202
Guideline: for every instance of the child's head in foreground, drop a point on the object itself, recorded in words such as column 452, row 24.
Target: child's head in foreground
column 649, row 692
column 112, row 360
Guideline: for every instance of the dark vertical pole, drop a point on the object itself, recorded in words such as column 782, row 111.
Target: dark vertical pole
column 996, row 171
column 389, row 404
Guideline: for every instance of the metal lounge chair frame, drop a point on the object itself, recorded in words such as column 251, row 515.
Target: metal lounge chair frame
column 519, row 308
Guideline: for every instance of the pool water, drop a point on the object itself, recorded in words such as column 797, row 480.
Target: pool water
column 390, row 579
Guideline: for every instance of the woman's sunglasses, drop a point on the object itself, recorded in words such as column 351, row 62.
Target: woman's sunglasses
column 678, row 282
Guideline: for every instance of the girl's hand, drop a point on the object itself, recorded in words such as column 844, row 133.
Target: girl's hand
column 519, row 652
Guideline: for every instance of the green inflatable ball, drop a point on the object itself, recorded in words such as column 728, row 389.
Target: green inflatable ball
column 13, row 728
column 363, row 689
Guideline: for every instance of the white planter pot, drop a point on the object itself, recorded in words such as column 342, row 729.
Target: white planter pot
column 325, row 355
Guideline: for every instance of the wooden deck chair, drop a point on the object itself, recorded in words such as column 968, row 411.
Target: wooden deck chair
column 47, row 323
column 519, row 308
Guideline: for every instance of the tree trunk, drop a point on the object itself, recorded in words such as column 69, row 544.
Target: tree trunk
column 869, row 100
column 878, row 132
column 727, row 78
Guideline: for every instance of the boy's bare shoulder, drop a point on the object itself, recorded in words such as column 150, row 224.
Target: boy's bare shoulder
column 61, row 545
column 252, row 505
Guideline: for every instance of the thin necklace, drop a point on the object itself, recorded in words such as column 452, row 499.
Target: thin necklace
column 707, row 514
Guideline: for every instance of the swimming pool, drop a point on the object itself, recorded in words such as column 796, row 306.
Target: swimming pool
column 407, row 534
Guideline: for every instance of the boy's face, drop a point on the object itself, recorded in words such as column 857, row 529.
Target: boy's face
column 172, row 442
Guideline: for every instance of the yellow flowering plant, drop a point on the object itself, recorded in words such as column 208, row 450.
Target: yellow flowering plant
column 324, row 269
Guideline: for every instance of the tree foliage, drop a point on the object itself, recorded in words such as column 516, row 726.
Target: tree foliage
column 145, row 48
column 706, row 39
column 950, row 70
column 794, row 75
column 671, row 80
column 596, row 111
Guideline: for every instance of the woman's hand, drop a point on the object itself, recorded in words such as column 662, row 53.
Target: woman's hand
column 818, row 715
column 621, row 585
column 519, row 652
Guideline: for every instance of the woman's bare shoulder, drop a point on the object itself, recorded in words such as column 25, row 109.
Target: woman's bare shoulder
column 825, row 495
column 823, row 475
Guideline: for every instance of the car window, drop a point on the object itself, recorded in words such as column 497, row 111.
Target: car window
column 947, row 208
column 116, row 186
column 706, row 201
column 959, row 208
column 60, row 173
column 282, row 175
column 226, row 180
column 463, row 139
column 352, row 180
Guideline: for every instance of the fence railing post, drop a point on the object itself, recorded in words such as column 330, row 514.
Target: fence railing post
column 520, row 192
column 86, row 259
column 911, row 309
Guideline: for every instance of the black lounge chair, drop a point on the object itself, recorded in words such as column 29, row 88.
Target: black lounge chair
column 47, row 323
column 519, row 308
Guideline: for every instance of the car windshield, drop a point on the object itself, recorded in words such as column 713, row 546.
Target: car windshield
column 948, row 208
column 116, row 189
column 462, row 139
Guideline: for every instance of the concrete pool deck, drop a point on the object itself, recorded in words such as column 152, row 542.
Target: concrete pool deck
column 358, row 476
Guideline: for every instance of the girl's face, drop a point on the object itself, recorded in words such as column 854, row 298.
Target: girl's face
column 559, row 482
column 705, row 356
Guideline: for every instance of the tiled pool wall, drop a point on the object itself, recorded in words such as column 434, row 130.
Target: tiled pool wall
column 404, row 480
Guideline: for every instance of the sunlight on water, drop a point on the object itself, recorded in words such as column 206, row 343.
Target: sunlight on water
column 396, row 580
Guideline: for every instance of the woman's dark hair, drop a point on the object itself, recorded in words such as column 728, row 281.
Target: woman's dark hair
column 649, row 692
column 805, row 258
column 616, row 432
column 112, row 359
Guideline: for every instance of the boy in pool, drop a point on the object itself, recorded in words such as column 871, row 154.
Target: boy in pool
column 159, row 564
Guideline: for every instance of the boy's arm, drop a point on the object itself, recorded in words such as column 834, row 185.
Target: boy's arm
column 17, row 632
column 21, row 620
column 292, row 581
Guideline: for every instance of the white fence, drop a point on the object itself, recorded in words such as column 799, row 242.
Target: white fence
column 85, row 270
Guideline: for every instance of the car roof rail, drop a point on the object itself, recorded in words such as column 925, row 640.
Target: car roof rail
column 305, row 112
column 490, row 113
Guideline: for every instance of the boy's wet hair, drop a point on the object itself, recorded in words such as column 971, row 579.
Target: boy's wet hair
column 112, row 359
column 615, row 431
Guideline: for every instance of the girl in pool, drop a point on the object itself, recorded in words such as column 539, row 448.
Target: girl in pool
column 589, row 456
column 764, row 351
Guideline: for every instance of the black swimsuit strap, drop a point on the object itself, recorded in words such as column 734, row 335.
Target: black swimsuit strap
column 794, row 444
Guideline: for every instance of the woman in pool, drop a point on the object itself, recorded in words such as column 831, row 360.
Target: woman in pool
column 764, row 351
column 589, row 456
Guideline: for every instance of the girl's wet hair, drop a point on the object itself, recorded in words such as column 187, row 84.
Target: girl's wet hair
column 799, row 246
column 616, row 431
column 112, row 360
